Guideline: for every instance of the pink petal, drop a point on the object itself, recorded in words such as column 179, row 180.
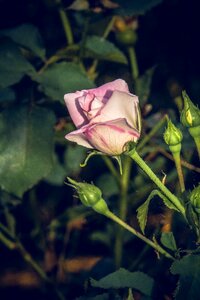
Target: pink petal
column 104, row 92
column 78, row 137
column 120, row 105
column 111, row 137
column 74, row 108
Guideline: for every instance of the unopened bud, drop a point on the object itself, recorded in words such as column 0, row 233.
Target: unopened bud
column 195, row 198
column 190, row 115
column 173, row 137
column 90, row 196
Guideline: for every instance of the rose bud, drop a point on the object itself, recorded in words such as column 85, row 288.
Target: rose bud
column 90, row 195
column 173, row 137
column 107, row 117
column 195, row 198
column 190, row 117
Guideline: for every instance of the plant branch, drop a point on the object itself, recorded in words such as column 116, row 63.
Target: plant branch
column 123, row 205
column 141, row 163
column 152, row 244
column 66, row 26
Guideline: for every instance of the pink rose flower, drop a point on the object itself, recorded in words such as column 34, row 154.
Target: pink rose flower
column 106, row 117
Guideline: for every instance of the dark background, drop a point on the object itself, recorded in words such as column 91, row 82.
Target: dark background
column 168, row 36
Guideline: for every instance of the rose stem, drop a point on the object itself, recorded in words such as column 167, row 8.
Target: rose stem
column 141, row 163
column 157, row 247
column 133, row 62
column 107, row 31
column 123, row 205
column 66, row 24
column 177, row 160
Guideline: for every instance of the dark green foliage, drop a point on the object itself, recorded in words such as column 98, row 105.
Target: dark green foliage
column 62, row 78
column 188, row 269
column 125, row 279
column 28, row 36
column 26, row 147
column 13, row 65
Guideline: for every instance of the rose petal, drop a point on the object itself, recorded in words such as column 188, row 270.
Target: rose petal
column 104, row 92
column 110, row 137
column 78, row 103
column 74, row 108
column 78, row 137
column 120, row 105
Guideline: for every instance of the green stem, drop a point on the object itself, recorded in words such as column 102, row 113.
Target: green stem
column 148, row 136
column 177, row 160
column 8, row 243
column 157, row 247
column 66, row 26
column 27, row 257
column 109, row 27
column 141, row 163
column 124, row 183
column 133, row 62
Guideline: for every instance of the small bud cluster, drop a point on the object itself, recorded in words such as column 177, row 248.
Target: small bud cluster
column 190, row 118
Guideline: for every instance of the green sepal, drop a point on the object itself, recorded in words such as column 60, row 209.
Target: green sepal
column 119, row 161
column 90, row 154
column 94, row 152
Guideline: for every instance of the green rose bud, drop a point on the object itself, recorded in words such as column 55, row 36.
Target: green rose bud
column 90, row 196
column 173, row 137
column 195, row 199
column 127, row 37
column 190, row 115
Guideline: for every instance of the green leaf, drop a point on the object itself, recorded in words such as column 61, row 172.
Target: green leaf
column 26, row 147
column 28, row 36
column 135, row 7
column 125, row 279
column 7, row 95
column 13, row 66
column 168, row 240
column 62, row 78
column 102, row 49
column 143, row 85
column 142, row 211
column 188, row 268
column 73, row 157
